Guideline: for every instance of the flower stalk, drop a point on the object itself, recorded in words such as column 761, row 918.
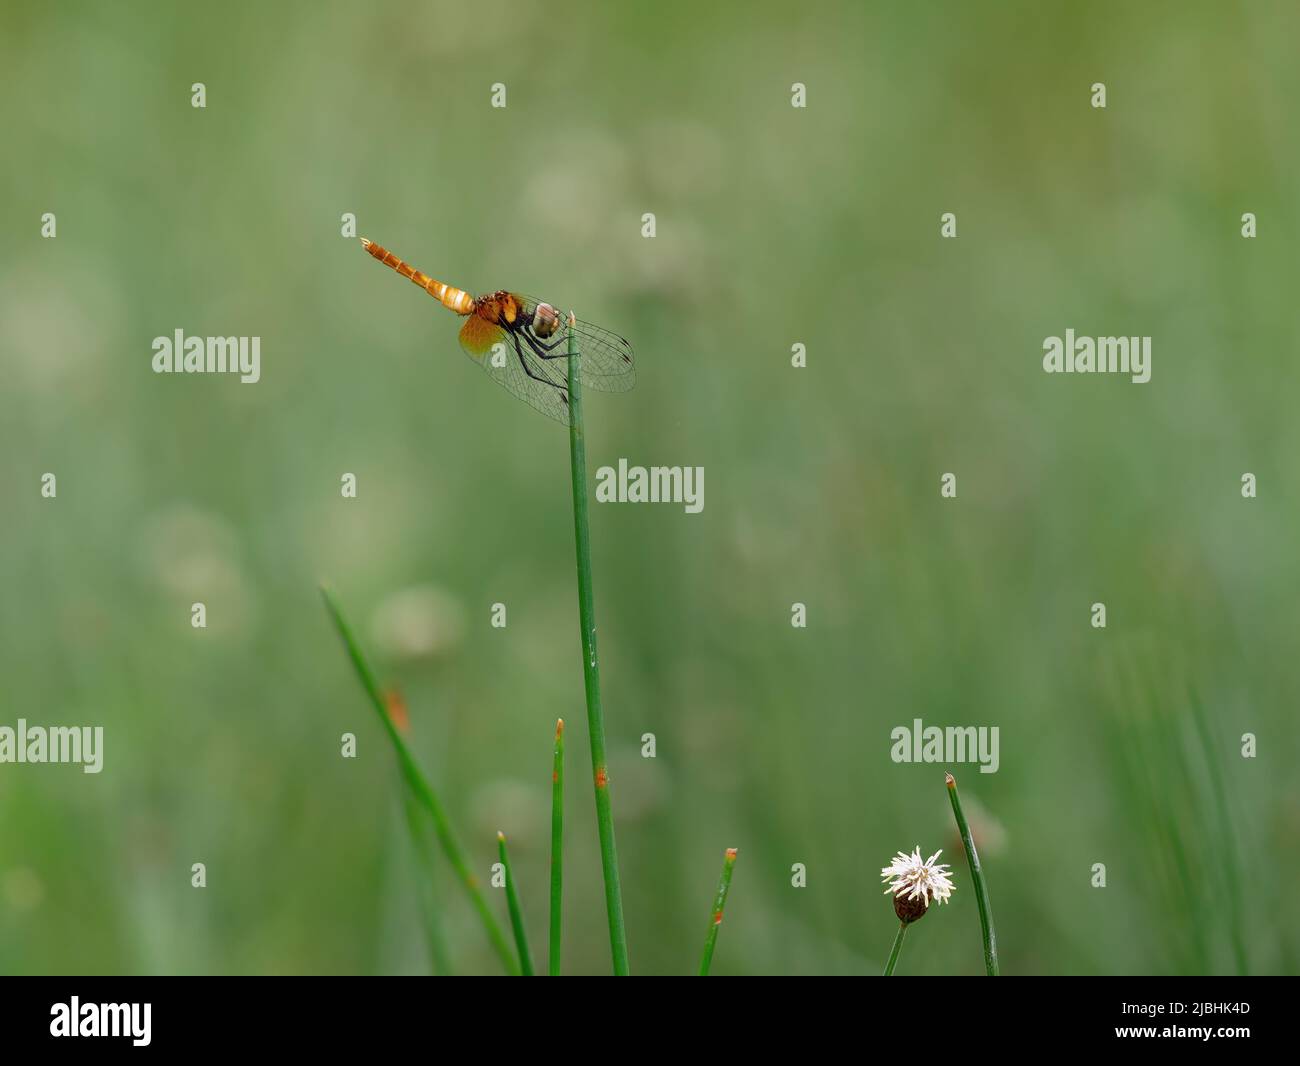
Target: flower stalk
column 893, row 953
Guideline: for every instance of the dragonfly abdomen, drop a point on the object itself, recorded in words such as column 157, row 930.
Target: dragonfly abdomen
column 453, row 299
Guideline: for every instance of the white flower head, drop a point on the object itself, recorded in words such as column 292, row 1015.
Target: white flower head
column 910, row 878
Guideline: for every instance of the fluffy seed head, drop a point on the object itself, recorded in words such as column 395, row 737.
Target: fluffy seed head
column 916, row 882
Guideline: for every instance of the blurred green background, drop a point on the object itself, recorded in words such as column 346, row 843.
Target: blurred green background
column 776, row 226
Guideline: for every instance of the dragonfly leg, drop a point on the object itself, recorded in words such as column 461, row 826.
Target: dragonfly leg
column 541, row 348
column 529, row 370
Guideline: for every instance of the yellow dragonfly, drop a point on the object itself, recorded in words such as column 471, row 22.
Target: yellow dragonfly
column 520, row 341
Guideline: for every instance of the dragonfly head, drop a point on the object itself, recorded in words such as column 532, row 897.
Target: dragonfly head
column 546, row 320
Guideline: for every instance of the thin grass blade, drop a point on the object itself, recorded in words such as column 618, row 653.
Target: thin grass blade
column 977, row 879
column 420, row 786
column 557, row 849
column 719, row 905
column 516, row 912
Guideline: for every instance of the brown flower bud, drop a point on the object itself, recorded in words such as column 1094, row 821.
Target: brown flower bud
column 909, row 910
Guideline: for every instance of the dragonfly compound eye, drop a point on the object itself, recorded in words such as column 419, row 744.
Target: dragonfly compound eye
column 546, row 320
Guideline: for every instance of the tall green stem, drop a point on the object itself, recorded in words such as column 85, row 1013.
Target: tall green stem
column 557, row 848
column 516, row 911
column 977, row 878
column 719, row 904
column 591, row 667
column 421, row 788
column 893, row 952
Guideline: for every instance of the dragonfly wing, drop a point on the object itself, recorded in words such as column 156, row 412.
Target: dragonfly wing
column 511, row 363
column 607, row 361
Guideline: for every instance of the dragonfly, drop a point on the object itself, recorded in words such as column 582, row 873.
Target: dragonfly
column 521, row 341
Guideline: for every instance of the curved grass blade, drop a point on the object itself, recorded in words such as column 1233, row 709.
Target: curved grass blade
column 977, row 879
column 420, row 786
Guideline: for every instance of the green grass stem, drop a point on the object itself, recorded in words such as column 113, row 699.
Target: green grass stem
column 557, row 849
column 893, row 952
column 977, row 879
column 719, row 905
column 516, row 912
column 591, row 666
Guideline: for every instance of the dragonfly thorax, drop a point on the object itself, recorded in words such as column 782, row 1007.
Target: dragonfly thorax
column 503, row 308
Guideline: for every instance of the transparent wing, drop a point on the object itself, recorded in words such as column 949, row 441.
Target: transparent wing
column 511, row 362
column 607, row 361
